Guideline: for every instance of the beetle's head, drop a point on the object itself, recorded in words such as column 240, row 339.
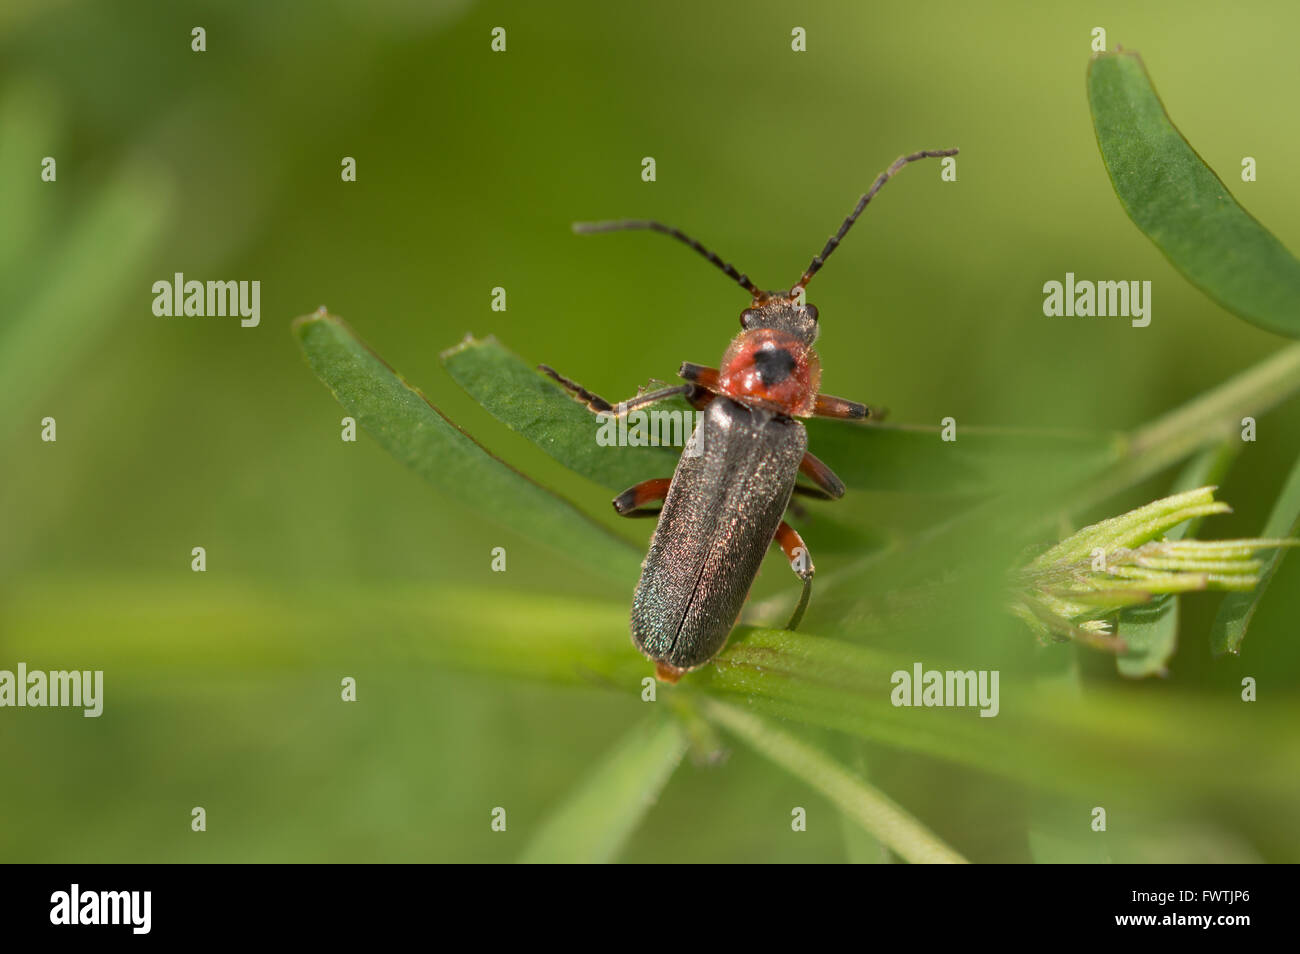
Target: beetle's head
column 785, row 312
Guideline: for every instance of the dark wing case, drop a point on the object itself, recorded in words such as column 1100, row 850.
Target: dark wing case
column 720, row 515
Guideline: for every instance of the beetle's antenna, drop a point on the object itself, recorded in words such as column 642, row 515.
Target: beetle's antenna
column 588, row 228
column 834, row 241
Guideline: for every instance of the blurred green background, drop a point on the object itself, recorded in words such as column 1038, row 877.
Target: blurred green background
column 222, row 688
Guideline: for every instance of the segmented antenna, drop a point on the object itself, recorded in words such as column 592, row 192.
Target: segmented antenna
column 588, row 228
column 834, row 241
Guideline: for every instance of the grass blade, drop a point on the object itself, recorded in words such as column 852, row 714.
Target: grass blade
column 866, row 805
column 916, row 458
column 519, row 396
column 420, row 436
column 866, row 457
column 594, row 823
column 1115, row 742
column 1235, row 612
column 1109, row 741
column 1182, row 206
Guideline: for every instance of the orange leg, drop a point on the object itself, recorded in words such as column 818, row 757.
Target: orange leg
column 792, row 545
column 630, row 503
column 827, row 406
column 801, row 562
column 704, row 384
column 705, row 377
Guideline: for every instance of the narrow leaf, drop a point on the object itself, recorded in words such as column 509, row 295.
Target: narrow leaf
column 420, row 436
column 871, row 808
column 860, row 847
column 594, row 823
column 980, row 460
column 516, row 394
column 1235, row 612
column 1182, row 206
column 866, row 456
column 1151, row 748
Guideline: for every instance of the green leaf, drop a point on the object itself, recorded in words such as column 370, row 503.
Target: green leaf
column 1150, row 636
column 1235, row 612
column 860, row 846
column 593, row 824
column 1150, row 633
column 519, row 396
column 420, row 436
column 1182, row 206
column 869, row 807
column 1068, row 592
column 981, row 460
column 239, row 627
column 1148, row 747
column 1109, row 740
column 1133, row 528
column 866, row 456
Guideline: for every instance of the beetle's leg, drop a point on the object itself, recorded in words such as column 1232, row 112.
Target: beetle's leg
column 704, row 384
column 700, row 374
column 840, row 409
column 792, row 545
column 599, row 405
column 822, row 476
column 803, row 490
column 801, row 562
column 700, row 397
column 630, row 503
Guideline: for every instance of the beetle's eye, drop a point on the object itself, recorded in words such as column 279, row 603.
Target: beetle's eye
column 812, row 310
column 746, row 317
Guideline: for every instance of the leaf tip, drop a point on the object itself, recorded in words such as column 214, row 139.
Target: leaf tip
column 302, row 321
column 464, row 344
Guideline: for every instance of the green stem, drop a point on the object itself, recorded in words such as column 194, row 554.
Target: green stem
column 1208, row 418
column 868, row 806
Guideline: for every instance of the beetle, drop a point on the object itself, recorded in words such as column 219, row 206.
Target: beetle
column 724, row 504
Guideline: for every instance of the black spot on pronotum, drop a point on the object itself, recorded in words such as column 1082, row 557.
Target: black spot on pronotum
column 774, row 365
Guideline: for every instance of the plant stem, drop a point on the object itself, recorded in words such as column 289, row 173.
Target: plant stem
column 868, row 806
column 1205, row 419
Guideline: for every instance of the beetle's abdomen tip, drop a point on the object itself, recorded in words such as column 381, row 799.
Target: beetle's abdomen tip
column 667, row 673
